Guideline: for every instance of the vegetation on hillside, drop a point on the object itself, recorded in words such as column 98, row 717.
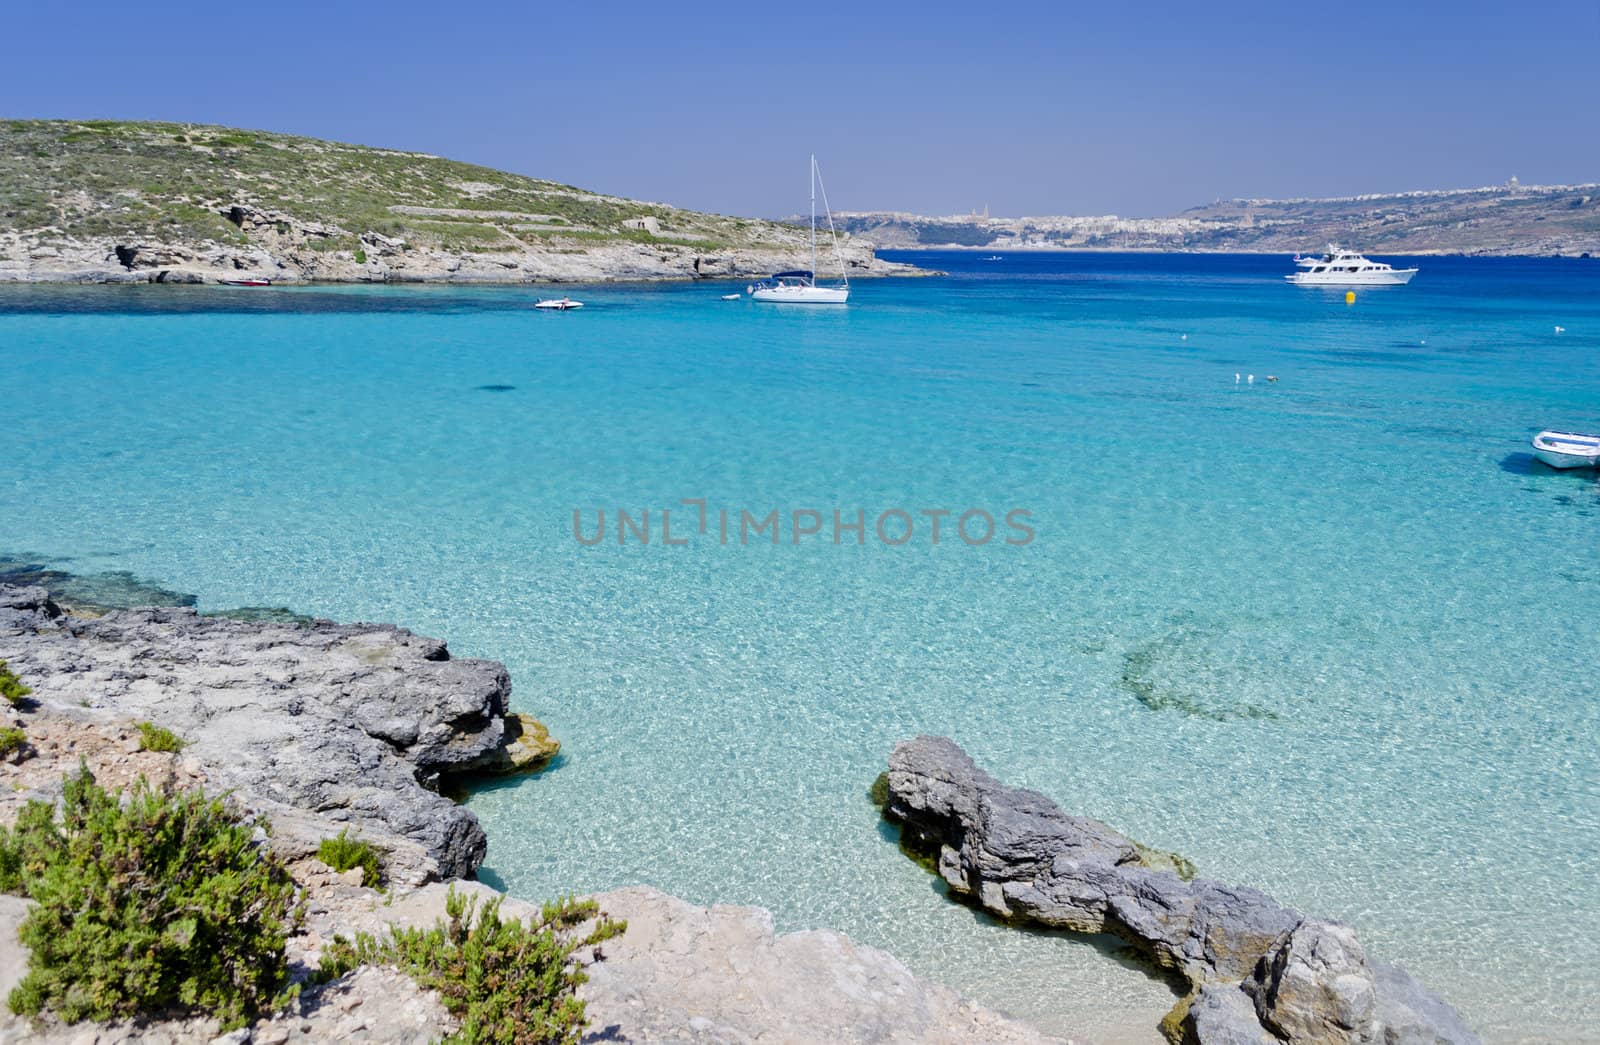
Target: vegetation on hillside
column 158, row 738
column 147, row 903
column 11, row 687
column 343, row 853
column 173, row 182
column 12, row 740
column 507, row 982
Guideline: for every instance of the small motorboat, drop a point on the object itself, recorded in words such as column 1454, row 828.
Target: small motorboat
column 558, row 304
column 732, row 297
column 994, row 257
column 1567, row 449
column 247, row 281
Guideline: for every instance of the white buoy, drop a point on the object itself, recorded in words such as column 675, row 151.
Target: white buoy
column 1183, row 337
column 1251, row 380
column 1235, row 378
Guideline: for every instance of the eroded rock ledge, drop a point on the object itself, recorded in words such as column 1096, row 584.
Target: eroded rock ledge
column 353, row 722
column 1260, row 973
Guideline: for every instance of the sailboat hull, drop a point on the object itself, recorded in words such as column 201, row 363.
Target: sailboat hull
column 801, row 295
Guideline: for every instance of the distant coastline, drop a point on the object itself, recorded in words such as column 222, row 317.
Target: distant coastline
column 1506, row 220
column 933, row 248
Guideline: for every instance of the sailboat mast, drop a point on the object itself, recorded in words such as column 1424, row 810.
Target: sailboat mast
column 813, row 217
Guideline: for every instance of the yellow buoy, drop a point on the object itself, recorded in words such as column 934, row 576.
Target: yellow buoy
column 1349, row 297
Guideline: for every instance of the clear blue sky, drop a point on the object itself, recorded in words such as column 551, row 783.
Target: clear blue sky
column 1031, row 108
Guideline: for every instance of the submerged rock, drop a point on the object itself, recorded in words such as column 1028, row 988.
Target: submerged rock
column 1258, row 971
column 346, row 721
column 527, row 746
column 89, row 593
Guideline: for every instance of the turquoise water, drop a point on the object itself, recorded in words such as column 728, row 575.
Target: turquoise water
column 1331, row 636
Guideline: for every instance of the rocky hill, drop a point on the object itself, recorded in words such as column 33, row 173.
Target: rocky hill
column 1504, row 219
column 115, row 201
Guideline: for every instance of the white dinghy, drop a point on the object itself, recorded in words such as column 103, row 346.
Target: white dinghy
column 1567, row 449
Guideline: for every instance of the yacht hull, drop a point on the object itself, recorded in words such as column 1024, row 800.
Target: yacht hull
column 801, row 295
column 1391, row 278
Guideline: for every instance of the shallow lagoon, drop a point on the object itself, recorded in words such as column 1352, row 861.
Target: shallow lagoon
column 1326, row 636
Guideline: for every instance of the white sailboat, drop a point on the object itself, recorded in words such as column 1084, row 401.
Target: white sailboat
column 799, row 286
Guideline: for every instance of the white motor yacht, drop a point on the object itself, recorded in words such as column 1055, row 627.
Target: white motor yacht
column 1345, row 268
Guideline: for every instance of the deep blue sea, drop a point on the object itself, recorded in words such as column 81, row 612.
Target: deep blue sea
column 1332, row 635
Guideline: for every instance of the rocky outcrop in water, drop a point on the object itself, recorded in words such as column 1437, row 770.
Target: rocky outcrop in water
column 1259, row 972
column 350, row 721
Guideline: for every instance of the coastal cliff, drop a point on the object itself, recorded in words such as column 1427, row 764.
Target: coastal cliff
column 323, row 728
column 104, row 201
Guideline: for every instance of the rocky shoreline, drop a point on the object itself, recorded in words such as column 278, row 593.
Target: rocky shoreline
column 1258, row 973
column 286, row 249
column 323, row 727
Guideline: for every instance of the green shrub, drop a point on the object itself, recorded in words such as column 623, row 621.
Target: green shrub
column 11, row 739
column 11, row 687
column 361, row 256
column 508, row 983
column 157, row 738
column 147, row 903
column 343, row 853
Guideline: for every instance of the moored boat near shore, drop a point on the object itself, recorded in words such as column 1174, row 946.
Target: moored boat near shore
column 799, row 286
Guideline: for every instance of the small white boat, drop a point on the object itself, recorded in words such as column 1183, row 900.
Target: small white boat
column 1567, row 449
column 558, row 304
column 1345, row 268
column 994, row 257
column 799, row 286
column 732, row 297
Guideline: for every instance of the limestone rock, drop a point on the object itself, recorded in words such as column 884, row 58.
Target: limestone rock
column 1255, row 966
column 683, row 973
column 286, row 248
column 1315, row 985
column 1019, row 856
column 338, row 720
column 1220, row 1013
column 528, row 746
